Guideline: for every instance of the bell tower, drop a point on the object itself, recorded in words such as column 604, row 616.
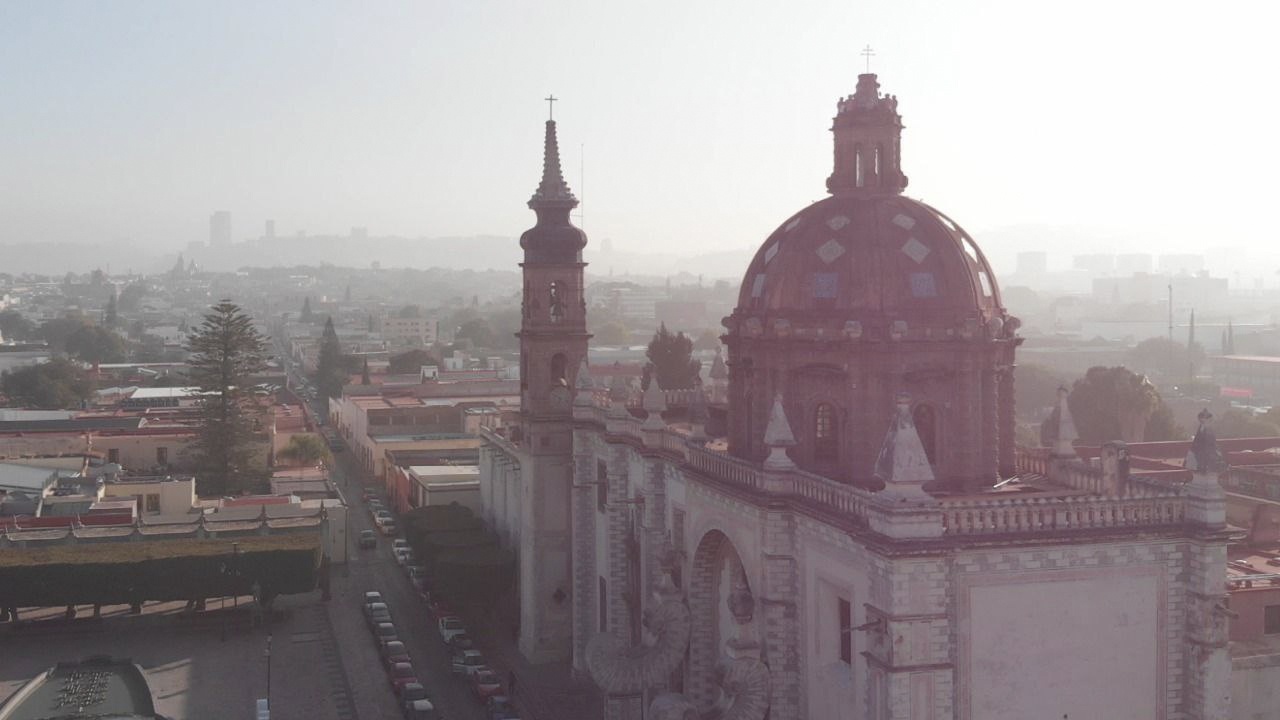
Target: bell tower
column 553, row 345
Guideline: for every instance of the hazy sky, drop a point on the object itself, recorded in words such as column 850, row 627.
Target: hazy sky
column 705, row 124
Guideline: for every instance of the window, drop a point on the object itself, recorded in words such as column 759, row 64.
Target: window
column 1271, row 619
column 857, row 166
column 604, row 606
column 153, row 503
column 113, row 455
column 926, row 423
column 555, row 302
column 845, row 611
column 602, row 485
column 825, row 440
column 558, row 370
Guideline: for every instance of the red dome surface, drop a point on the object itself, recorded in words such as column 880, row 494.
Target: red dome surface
column 865, row 255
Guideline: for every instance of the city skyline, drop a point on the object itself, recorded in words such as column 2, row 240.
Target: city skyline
column 134, row 123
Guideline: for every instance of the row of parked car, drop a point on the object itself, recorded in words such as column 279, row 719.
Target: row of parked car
column 468, row 664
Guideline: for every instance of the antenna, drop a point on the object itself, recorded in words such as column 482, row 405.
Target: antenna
column 582, row 186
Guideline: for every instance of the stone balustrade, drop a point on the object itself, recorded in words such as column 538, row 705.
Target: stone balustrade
column 1085, row 499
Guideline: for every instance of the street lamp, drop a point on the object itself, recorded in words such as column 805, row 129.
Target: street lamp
column 268, row 655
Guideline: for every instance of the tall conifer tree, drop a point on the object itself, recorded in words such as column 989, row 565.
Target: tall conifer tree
column 331, row 372
column 226, row 350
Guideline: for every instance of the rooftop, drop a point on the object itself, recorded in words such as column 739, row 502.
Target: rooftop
column 98, row 687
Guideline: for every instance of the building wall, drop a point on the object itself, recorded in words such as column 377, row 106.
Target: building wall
column 175, row 497
column 140, row 453
column 1255, row 687
column 1249, row 606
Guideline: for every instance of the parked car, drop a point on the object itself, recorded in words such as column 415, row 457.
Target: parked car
column 382, row 517
column 388, row 528
column 385, row 631
column 412, row 692
column 400, row 544
column 417, row 576
column 402, row 555
column 438, row 606
column 461, row 641
column 401, row 674
column 485, row 684
column 393, row 651
column 372, row 596
column 375, row 613
column 420, row 710
column 368, row 539
column 500, row 707
column 468, row 662
column 450, row 625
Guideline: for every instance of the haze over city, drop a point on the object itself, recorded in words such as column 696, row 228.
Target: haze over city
column 702, row 125
column 663, row 361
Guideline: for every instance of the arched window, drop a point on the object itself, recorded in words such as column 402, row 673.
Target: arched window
column 555, row 302
column 879, row 153
column 857, row 166
column 825, row 433
column 926, row 422
column 558, row 364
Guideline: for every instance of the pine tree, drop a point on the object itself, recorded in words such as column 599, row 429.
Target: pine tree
column 306, row 311
column 111, row 318
column 671, row 360
column 226, row 350
column 331, row 373
column 364, row 374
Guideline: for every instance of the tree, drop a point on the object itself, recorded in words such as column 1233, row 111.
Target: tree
column 226, row 350
column 1166, row 358
column 476, row 330
column 331, row 372
column 611, row 333
column 56, row 385
column 305, row 316
column 1112, row 404
column 364, row 374
column 1036, row 389
column 307, row 449
column 707, row 340
column 410, row 361
column 56, row 331
column 131, row 297
column 671, row 361
column 111, row 318
column 13, row 326
column 93, row 344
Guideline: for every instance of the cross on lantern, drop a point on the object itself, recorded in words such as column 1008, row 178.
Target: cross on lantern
column 551, row 107
column 867, row 53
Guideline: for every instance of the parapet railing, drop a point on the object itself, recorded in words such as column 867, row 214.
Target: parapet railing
column 1086, row 499
column 140, row 530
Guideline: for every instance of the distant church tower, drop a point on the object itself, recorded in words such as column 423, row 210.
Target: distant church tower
column 553, row 344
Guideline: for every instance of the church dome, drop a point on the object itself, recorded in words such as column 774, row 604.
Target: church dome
column 864, row 257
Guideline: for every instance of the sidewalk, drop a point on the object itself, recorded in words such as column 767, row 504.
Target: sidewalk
column 542, row 692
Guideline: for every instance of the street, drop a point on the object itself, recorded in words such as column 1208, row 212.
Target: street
column 376, row 569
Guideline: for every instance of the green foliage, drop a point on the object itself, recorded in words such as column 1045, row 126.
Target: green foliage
column 475, row 577
column 331, row 370
column 409, row 311
column 671, row 361
column 307, row 449
column 1239, row 424
column 226, row 350
column 1162, row 426
column 364, row 373
column 477, row 331
column 305, row 316
column 411, row 361
column 111, row 317
column 1160, row 356
column 708, row 339
column 179, row 577
column 131, row 297
column 57, row 384
column 57, row 331
column 1112, row 404
column 94, row 344
column 13, row 326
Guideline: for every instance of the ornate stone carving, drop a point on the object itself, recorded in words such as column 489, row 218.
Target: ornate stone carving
column 620, row 670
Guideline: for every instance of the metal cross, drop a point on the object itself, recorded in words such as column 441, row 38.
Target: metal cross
column 867, row 52
column 551, row 107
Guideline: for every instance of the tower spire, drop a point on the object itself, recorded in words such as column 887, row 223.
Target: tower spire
column 553, row 192
column 868, row 131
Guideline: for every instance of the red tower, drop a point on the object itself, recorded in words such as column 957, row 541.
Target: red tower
column 553, row 344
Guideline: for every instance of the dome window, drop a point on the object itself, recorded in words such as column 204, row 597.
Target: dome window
column 923, row 285
column 825, row 433
column 824, row 286
column 986, row 283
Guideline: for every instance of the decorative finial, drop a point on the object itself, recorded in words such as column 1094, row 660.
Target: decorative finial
column 553, row 191
column 868, row 53
column 778, row 437
column 551, row 106
column 903, row 465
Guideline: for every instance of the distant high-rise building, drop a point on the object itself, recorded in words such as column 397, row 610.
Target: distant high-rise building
column 1130, row 263
column 1036, row 261
column 270, row 229
column 1181, row 264
column 220, row 229
column 1103, row 263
